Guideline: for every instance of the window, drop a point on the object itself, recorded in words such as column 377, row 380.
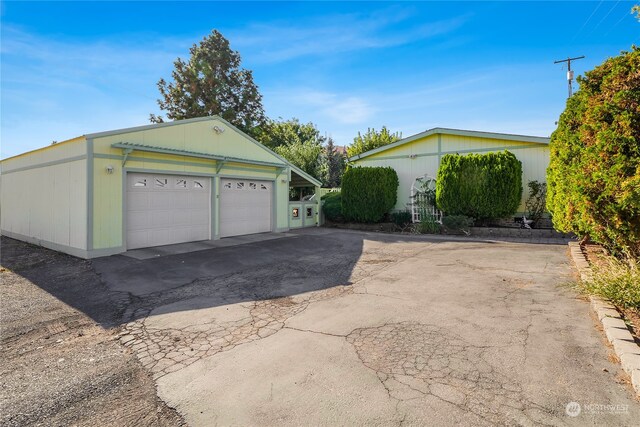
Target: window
column 198, row 184
column 309, row 212
column 161, row 182
column 142, row 182
column 240, row 185
column 181, row 183
column 227, row 185
column 295, row 213
column 253, row 186
column 263, row 187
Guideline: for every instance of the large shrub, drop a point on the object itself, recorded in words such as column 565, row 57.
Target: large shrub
column 332, row 206
column 368, row 193
column 593, row 179
column 482, row 186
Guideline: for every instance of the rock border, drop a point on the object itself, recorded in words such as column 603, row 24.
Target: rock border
column 614, row 327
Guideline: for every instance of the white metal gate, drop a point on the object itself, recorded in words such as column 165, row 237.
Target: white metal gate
column 423, row 199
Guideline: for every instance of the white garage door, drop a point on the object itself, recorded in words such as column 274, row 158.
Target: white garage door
column 167, row 209
column 245, row 207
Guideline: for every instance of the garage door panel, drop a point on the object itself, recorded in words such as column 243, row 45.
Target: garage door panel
column 195, row 232
column 199, row 217
column 137, row 200
column 158, row 218
column 169, row 199
column 167, row 209
column 137, row 220
column 138, row 239
column 197, row 201
column 245, row 207
column 180, row 234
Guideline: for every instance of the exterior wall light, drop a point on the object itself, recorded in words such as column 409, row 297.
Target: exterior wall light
column 413, row 156
column 109, row 169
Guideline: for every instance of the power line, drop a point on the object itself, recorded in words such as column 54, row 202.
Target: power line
column 587, row 21
column 605, row 16
column 625, row 16
column 569, row 72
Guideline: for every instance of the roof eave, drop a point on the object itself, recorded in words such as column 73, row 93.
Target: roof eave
column 458, row 132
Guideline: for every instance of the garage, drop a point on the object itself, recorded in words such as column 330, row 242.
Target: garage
column 245, row 207
column 190, row 180
column 167, row 209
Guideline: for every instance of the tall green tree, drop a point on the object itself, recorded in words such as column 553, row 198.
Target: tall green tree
column 305, row 155
column 212, row 82
column 372, row 139
column 593, row 178
column 275, row 133
column 333, row 164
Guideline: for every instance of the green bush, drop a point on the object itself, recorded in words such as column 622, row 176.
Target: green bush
column 332, row 206
column 593, row 177
column 428, row 224
column 482, row 186
column 401, row 218
column 457, row 223
column 368, row 193
column 536, row 202
column 617, row 281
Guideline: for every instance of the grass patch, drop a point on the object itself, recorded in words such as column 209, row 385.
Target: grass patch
column 616, row 281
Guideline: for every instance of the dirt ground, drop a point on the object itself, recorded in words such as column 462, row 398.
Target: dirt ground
column 62, row 366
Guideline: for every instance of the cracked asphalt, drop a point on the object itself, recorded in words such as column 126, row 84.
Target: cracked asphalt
column 335, row 327
column 332, row 327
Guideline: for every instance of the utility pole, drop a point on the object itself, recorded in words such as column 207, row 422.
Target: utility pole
column 569, row 72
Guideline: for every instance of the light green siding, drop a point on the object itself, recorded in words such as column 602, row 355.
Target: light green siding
column 302, row 220
column 422, row 156
column 196, row 136
column 190, row 136
column 71, row 196
column 43, row 196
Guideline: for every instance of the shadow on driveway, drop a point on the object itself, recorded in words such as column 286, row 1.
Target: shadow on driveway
column 104, row 288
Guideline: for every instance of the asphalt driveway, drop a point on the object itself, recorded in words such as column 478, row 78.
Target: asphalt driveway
column 331, row 327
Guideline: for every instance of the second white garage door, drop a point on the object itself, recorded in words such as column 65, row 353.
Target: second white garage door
column 245, row 206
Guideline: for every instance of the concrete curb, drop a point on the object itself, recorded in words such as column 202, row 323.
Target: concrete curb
column 614, row 327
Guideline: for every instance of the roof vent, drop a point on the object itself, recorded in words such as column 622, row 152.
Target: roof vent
column 217, row 129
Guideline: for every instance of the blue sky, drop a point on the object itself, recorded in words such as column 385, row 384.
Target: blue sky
column 80, row 67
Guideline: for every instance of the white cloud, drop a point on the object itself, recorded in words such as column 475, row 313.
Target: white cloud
column 341, row 108
column 337, row 33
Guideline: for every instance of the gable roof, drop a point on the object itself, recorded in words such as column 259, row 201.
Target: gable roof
column 294, row 168
column 154, row 126
column 457, row 132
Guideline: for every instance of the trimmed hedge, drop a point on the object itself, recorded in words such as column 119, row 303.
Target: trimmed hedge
column 481, row 186
column 368, row 193
column 401, row 218
column 594, row 169
column 332, row 206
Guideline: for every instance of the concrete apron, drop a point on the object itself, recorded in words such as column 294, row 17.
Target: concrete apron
column 426, row 333
column 183, row 248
